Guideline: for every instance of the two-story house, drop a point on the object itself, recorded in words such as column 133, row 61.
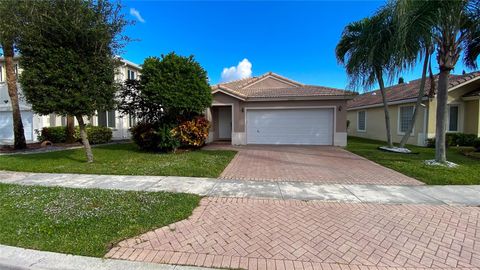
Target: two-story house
column 32, row 121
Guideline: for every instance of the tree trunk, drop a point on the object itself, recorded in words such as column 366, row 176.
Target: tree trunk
column 19, row 134
column 83, row 135
column 441, row 125
column 385, row 108
column 70, row 129
column 421, row 94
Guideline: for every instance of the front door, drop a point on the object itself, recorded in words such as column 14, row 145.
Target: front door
column 225, row 123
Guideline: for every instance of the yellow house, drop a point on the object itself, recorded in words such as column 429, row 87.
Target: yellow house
column 366, row 114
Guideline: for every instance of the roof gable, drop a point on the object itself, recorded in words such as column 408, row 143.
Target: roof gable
column 271, row 85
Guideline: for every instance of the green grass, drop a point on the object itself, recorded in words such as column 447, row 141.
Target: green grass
column 84, row 221
column 467, row 173
column 123, row 159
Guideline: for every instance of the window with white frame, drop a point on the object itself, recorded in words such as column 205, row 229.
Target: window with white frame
column 131, row 74
column 361, row 120
column 106, row 119
column 405, row 118
column 453, row 114
column 1, row 74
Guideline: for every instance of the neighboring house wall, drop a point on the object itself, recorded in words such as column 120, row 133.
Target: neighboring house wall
column 467, row 120
column 472, row 124
column 375, row 124
column 34, row 122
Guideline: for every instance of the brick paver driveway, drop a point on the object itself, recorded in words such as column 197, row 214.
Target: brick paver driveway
column 274, row 234
column 319, row 164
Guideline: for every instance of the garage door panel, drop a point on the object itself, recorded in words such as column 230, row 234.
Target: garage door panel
column 290, row 126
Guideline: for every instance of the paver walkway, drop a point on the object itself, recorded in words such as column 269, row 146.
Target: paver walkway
column 272, row 234
column 317, row 164
column 437, row 195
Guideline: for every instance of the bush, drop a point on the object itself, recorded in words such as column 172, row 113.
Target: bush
column 192, row 133
column 461, row 139
column 96, row 134
column 476, row 144
column 154, row 137
column 53, row 134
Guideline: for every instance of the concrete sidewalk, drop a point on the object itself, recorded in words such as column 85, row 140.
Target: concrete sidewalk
column 14, row 258
column 435, row 195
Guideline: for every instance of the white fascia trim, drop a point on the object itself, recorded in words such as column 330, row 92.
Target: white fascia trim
column 464, row 83
column 410, row 100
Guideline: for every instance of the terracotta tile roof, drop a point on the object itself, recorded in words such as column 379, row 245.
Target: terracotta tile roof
column 246, row 88
column 405, row 91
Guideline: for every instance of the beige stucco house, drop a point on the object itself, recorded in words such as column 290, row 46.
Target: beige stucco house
column 366, row 116
column 32, row 121
column 271, row 109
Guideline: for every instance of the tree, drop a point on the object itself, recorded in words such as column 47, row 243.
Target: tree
column 454, row 27
column 10, row 27
column 171, row 89
column 68, row 58
column 366, row 50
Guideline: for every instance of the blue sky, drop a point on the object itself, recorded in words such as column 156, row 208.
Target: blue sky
column 293, row 39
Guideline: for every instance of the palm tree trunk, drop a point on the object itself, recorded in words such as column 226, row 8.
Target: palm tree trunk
column 70, row 129
column 18, row 131
column 385, row 107
column 85, row 142
column 421, row 94
column 441, row 125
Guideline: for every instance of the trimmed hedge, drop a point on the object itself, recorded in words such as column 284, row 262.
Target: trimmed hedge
column 96, row 135
column 53, row 134
column 455, row 139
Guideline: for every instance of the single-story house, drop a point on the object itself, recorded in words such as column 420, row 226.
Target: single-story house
column 33, row 122
column 367, row 119
column 271, row 109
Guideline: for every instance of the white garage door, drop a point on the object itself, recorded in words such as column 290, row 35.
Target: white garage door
column 290, row 126
column 6, row 125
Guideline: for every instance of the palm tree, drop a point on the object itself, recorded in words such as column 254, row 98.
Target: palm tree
column 8, row 35
column 366, row 50
column 454, row 27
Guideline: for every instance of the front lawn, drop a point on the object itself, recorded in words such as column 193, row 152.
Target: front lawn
column 467, row 173
column 124, row 159
column 84, row 221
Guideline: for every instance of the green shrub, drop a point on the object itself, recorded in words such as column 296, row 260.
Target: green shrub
column 461, row 139
column 476, row 144
column 192, row 133
column 53, row 134
column 154, row 137
column 96, row 134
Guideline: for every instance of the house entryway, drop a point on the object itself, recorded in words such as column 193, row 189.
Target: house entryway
column 222, row 123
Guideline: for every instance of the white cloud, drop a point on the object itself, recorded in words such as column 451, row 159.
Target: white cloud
column 135, row 13
column 241, row 71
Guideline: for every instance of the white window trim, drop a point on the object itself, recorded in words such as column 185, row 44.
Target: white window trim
column 358, row 121
column 460, row 117
column 399, row 132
